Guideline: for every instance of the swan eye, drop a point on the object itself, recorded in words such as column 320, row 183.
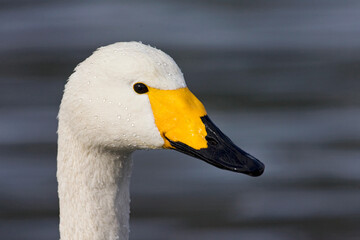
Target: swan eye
column 140, row 88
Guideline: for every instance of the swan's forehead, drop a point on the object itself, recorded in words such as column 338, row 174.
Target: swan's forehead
column 136, row 62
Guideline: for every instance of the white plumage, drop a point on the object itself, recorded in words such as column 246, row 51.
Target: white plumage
column 101, row 121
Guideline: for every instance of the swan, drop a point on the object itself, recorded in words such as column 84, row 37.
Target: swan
column 127, row 96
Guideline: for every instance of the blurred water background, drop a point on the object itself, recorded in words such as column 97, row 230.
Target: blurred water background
column 281, row 78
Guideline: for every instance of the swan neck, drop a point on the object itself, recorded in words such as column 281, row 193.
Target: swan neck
column 93, row 187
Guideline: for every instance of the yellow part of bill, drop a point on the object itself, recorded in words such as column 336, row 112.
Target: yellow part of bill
column 178, row 115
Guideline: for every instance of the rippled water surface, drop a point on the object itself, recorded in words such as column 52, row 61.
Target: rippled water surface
column 280, row 78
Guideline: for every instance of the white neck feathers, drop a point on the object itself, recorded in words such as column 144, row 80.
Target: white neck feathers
column 101, row 120
column 93, row 191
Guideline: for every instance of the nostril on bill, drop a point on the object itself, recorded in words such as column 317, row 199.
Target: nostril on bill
column 211, row 141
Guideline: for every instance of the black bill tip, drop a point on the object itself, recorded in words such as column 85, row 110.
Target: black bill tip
column 257, row 172
column 255, row 169
column 235, row 159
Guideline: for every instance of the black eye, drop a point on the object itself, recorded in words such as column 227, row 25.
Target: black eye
column 140, row 88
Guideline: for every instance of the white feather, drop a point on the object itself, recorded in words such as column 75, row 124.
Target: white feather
column 101, row 122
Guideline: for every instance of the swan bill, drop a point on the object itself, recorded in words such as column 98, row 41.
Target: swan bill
column 185, row 127
column 222, row 152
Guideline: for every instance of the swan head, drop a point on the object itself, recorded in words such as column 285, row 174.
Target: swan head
column 129, row 96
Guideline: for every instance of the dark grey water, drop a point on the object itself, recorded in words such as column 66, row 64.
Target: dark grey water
column 281, row 78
